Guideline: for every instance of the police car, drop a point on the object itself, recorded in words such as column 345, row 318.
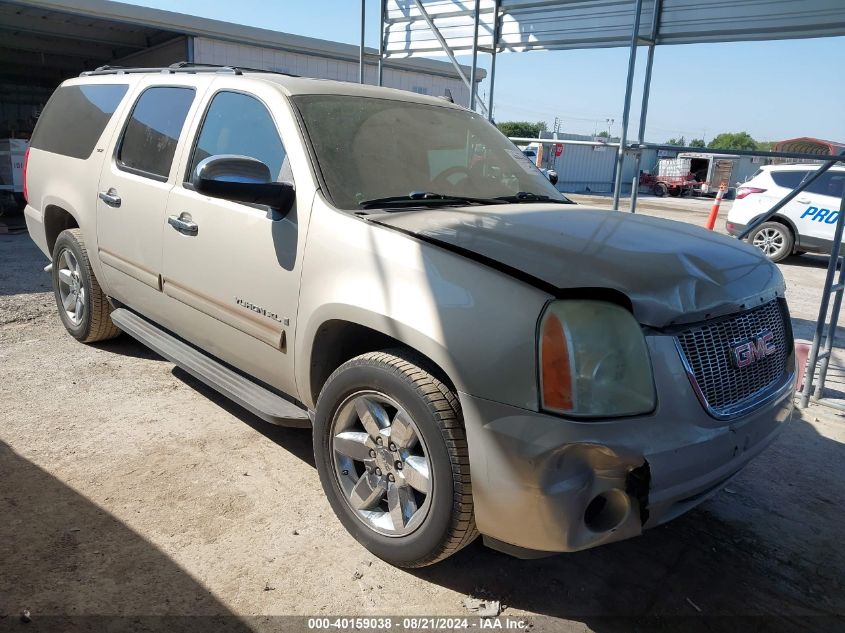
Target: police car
column 805, row 225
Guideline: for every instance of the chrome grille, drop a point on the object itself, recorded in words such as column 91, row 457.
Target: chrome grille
column 724, row 387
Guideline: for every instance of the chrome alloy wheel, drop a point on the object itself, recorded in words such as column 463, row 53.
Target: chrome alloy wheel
column 71, row 288
column 770, row 241
column 381, row 463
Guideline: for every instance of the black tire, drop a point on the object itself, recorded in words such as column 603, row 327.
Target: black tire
column 449, row 524
column 675, row 192
column 95, row 323
column 774, row 239
column 660, row 189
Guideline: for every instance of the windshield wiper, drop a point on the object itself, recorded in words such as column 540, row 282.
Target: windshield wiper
column 528, row 196
column 426, row 198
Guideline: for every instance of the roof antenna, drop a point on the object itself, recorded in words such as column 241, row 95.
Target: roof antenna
column 447, row 94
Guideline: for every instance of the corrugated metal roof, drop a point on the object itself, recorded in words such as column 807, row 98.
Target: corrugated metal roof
column 808, row 145
column 568, row 24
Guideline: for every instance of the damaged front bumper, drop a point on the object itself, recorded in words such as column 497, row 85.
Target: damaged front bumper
column 542, row 483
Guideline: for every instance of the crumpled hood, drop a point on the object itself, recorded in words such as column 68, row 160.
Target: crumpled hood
column 672, row 272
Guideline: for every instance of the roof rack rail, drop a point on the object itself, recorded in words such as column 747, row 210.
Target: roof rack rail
column 179, row 67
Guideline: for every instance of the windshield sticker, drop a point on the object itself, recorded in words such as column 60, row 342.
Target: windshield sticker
column 523, row 161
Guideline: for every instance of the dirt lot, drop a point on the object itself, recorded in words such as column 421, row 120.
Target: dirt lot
column 128, row 489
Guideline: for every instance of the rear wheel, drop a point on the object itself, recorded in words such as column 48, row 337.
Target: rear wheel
column 660, row 189
column 392, row 457
column 774, row 239
column 83, row 306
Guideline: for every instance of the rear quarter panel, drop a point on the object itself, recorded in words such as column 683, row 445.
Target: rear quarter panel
column 71, row 183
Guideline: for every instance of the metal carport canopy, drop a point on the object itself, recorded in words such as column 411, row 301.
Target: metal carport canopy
column 413, row 28
column 569, row 24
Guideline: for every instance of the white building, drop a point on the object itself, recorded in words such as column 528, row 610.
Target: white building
column 43, row 42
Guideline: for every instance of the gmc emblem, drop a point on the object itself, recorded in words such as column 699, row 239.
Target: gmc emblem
column 748, row 352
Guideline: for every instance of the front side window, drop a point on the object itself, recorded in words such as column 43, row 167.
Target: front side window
column 369, row 149
column 150, row 137
column 75, row 117
column 239, row 124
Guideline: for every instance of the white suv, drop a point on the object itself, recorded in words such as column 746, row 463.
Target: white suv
column 805, row 225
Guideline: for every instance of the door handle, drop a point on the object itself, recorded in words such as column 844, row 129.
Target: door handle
column 110, row 197
column 186, row 227
column 803, row 201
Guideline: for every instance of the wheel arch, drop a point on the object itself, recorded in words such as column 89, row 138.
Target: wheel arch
column 788, row 223
column 56, row 220
column 781, row 219
column 335, row 339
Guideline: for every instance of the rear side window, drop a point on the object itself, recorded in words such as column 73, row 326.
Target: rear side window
column 239, row 124
column 150, row 136
column 829, row 184
column 788, row 179
column 75, row 117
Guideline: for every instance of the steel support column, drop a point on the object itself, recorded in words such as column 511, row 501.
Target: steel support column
column 496, row 6
column 652, row 42
column 383, row 16
column 473, row 87
column 831, row 332
column 361, row 48
column 626, row 110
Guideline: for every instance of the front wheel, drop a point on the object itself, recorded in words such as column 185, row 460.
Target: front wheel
column 392, row 457
column 774, row 239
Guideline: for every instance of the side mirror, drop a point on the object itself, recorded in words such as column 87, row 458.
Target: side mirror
column 553, row 176
column 242, row 179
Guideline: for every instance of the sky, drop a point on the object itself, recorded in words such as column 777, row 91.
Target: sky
column 773, row 90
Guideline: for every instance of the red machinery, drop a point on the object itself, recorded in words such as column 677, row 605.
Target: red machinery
column 671, row 185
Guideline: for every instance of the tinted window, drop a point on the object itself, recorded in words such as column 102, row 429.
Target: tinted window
column 829, row 184
column 239, row 124
column 788, row 179
column 75, row 117
column 149, row 140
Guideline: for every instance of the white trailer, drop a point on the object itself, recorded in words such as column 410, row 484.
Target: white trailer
column 695, row 173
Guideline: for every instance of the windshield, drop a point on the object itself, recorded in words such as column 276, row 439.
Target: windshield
column 371, row 149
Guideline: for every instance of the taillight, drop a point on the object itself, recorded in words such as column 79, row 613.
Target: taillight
column 742, row 192
column 25, row 164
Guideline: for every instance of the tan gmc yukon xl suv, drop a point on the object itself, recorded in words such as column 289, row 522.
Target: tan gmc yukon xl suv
column 475, row 354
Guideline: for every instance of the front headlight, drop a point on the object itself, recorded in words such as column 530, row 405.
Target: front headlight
column 593, row 361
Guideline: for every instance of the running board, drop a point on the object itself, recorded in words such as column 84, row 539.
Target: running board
column 260, row 401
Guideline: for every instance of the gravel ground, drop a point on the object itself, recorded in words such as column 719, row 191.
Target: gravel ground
column 128, row 489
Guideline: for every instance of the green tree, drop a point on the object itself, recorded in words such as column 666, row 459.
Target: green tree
column 733, row 140
column 523, row 129
column 604, row 134
column 680, row 141
column 697, row 142
column 766, row 146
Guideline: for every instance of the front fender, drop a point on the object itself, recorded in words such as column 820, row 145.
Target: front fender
column 383, row 324
column 476, row 323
